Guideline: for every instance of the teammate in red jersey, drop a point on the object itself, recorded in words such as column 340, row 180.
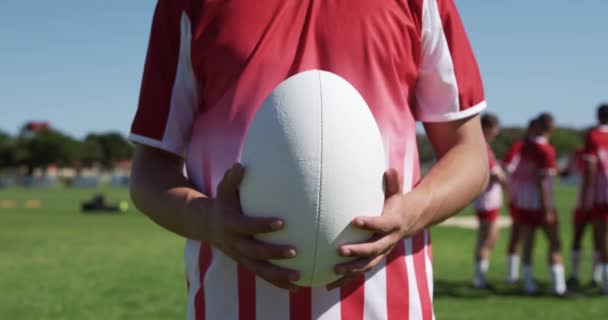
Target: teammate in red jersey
column 510, row 162
column 487, row 205
column 210, row 65
column 533, row 201
column 595, row 186
column 581, row 218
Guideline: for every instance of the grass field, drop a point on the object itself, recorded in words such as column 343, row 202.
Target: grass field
column 56, row 263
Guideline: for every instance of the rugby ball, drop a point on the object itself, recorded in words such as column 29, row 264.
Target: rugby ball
column 314, row 157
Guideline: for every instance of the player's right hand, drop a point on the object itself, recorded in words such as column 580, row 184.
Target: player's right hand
column 233, row 233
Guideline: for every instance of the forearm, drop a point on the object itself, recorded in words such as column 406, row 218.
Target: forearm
column 160, row 191
column 544, row 192
column 587, row 184
column 450, row 185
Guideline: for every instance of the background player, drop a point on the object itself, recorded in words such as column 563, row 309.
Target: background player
column 510, row 162
column 487, row 205
column 581, row 217
column 595, row 186
column 534, row 203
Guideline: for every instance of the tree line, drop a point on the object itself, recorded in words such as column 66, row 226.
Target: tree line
column 50, row 146
column 32, row 150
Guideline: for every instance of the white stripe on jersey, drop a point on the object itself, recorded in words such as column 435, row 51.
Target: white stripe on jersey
column 272, row 302
column 375, row 292
column 428, row 263
column 414, row 304
column 191, row 252
column 221, row 289
column 324, row 306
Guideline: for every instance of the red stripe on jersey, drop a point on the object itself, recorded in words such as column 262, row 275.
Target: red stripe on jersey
column 204, row 261
column 246, row 287
column 421, row 277
column 352, row 299
column 468, row 78
column 397, row 285
column 300, row 304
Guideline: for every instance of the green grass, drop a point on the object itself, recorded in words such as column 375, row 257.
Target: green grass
column 56, row 263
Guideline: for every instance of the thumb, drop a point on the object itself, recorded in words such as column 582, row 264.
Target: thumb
column 229, row 185
column 392, row 183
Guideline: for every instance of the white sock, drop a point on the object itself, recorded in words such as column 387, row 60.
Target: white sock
column 512, row 268
column 481, row 269
column 558, row 278
column 605, row 276
column 576, row 263
column 529, row 284
column 597, row 268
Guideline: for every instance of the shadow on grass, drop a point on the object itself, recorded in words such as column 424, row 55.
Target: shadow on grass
column 465, row 290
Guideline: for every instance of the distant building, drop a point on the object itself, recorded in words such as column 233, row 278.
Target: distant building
column 32, row 127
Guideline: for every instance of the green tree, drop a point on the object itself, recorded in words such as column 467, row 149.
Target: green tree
column 566, row 140
column 114, row 147
column 7, row 150
column 91, row 151
column 45, row 147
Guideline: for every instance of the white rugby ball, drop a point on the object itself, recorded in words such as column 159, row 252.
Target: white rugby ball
column 314, row 157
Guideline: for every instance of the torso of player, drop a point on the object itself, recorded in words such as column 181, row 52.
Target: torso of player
column 242, row 49
column 536, row 158
column 596, row 150
column 212, row 63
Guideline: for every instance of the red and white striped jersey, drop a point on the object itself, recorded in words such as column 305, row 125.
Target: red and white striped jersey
column 537, row 157
column 511, row 158
column 210, row 65
column 596, row 150
column 491, row 198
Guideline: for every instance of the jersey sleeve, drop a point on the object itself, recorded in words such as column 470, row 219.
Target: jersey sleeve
column 511, row 158
column 547, row 161
column 168, row 98
column 449, row 85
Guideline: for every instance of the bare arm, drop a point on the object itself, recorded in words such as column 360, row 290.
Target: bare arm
column 456, row 179
column 543, row 186
column 160, row 190
column 588, row 180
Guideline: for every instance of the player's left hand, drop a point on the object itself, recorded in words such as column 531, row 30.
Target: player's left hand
column 389, row 228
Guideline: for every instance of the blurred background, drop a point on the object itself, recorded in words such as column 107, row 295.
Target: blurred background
column 72, row 246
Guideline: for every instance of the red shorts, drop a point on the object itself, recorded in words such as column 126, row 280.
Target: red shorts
column 530, row 217
column 487, row 215
column 581, row 216
column 599, row 213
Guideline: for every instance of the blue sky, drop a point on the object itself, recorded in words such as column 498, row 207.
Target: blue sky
column 78, row 64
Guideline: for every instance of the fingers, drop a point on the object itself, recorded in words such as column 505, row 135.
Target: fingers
column 245, row 225
column 378, row 245
column 229, row 185
column 392, row 183
column 357, row 267
column 382, row 224
column 256, row 250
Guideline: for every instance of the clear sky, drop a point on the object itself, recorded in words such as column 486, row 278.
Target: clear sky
column 78, row 64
